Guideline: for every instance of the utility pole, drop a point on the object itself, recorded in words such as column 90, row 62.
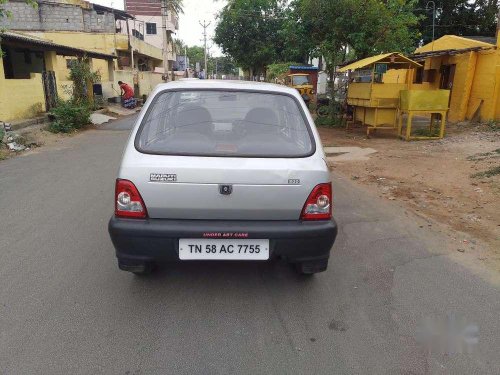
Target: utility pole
column 205, row 25
column 186, row 67
column 164, row 10
column 433, row 18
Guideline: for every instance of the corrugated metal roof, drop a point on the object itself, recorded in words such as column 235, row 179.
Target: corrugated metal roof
column 119, row 14
column 448, row 42
column 485, row 39
column 374, row 59
column 420, row 56
column 29, row 40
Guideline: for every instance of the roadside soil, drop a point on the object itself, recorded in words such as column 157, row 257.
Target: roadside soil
column 435, row 179
column 33, row 138
column 37, row 136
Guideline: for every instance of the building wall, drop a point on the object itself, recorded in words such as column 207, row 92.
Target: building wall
column 460, row 83
column 476, row 84
column 155, row 40
column 24, row 62
column 150, row 11
column 96, row 42
column 20, row 98
column 56, row 16
column 485, row 83
column 145, row 81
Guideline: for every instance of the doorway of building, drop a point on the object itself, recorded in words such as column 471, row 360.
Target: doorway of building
column 447, row 76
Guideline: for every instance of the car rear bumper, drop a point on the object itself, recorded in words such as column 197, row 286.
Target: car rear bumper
column 158, row 239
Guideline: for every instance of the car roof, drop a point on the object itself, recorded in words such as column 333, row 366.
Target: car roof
column 225, row 84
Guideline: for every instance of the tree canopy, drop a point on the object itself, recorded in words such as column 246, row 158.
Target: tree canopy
column 260, row 32
column 195, row 54
column 249, row 31
column 458, row 17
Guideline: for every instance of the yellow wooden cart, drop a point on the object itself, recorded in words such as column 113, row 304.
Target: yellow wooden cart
column 423, row 102
column 374, row 87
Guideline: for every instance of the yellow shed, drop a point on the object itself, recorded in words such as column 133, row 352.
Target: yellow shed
column 469, row 68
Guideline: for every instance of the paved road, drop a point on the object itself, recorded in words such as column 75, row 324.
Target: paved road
column 65, row 308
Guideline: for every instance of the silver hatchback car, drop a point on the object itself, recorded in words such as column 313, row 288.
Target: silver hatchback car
column 221, row 170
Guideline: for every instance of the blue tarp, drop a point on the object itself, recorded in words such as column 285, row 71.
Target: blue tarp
column 297, row 67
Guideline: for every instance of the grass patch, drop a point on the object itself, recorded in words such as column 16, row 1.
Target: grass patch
column 4, row 154
column 493, row 125
column 485, row 155
column 425, row 132
column 488, row 173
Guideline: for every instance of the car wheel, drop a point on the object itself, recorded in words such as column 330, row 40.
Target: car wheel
column 311, row 267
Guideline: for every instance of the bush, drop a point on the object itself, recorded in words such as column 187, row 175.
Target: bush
column 276, row 70
column 69, row 116
column 329, row 122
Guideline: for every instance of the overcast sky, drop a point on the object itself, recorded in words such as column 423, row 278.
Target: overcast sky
column 195, row 11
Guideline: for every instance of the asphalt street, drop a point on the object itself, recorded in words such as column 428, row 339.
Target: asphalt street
column 65, row 308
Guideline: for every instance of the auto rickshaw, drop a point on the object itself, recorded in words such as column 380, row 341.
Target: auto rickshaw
column 301, row 82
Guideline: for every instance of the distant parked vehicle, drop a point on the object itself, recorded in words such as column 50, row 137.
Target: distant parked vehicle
column 302, row 83
column 220, row 170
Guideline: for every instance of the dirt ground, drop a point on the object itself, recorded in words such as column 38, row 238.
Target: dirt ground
column 34, row 138
column 435, row 179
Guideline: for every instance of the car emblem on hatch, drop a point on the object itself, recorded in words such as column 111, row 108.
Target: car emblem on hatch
column 225, row 189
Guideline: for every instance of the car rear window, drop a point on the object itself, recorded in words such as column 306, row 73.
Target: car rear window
column 225, row 123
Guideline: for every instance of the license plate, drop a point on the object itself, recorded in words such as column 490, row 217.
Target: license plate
column 222, row 249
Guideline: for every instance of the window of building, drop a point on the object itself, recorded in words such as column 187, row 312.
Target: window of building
column 150, row 28
column 137, row 34
column 419, row 75
column 429, row 75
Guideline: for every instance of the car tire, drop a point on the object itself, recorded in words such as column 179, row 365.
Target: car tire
column 311, row 267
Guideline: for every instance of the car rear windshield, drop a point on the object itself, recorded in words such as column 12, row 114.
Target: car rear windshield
column 225, row 123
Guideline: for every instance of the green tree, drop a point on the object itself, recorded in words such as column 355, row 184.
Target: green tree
column 222, row 65
column 175, row 6
column 179, row 46
column 458, row 17
column 367, row 26
column 196, row 54
column 298, row 44
column 249, row 31
column 360, row 28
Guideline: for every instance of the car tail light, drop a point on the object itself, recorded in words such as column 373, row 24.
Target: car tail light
column 128, row 201
column 318, row 205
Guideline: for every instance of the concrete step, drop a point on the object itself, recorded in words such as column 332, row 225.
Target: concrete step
column 24, row 123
